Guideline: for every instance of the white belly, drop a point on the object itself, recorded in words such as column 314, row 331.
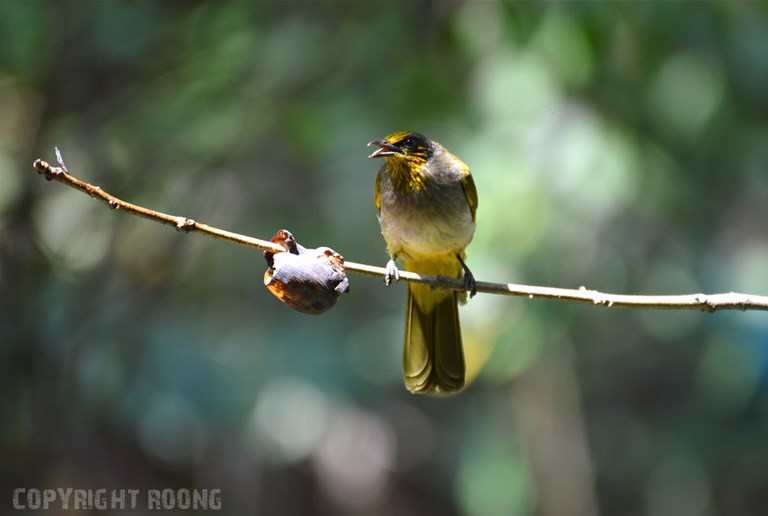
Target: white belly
column 418, row 226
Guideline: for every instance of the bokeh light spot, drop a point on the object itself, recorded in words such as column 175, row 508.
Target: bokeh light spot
column 290, row 417
column 685, row 94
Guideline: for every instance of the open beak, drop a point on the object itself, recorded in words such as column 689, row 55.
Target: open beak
column 385, row 149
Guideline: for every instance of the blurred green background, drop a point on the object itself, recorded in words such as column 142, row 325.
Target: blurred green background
column 621, row 146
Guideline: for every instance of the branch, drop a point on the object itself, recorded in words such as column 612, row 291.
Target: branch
column 703, row 302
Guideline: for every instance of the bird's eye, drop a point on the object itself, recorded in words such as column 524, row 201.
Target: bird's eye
column 409, row 141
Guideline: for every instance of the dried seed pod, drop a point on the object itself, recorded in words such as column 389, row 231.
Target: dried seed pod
column 287, row 241
column 307, row 280
column 336, row 262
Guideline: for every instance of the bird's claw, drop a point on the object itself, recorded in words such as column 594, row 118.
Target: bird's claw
column 392, row 272
column 470, row 285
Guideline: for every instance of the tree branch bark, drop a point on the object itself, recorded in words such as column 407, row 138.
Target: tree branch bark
column 703, row 302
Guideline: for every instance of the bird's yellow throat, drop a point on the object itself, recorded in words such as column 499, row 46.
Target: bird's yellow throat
column 407, row 172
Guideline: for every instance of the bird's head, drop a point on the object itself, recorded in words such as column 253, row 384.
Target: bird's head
column 403, row 148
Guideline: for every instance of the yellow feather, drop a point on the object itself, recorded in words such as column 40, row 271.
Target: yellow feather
column 433, row 360
column 407, row 173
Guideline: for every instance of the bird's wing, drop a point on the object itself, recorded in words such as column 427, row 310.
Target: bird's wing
column 468, row 184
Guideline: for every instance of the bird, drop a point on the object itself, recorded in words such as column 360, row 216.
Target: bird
column 426, row 203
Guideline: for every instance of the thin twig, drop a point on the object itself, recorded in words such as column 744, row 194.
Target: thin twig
column 703, row 302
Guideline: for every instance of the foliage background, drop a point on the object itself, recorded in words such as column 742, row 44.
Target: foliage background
column 622, row 146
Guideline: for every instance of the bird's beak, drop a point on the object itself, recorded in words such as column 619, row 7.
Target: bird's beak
column 385, row 149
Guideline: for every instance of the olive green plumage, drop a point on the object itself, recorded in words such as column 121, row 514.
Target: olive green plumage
column 426, row 201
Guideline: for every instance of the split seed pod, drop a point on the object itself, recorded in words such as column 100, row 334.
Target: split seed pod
column 308, row 280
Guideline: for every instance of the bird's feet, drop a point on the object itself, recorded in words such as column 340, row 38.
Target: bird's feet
column 470, row 285
column 392, row 272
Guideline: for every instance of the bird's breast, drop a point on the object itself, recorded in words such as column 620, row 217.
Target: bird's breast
column 434, row 219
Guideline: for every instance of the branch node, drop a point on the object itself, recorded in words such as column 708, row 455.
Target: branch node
column 43, row 167
column 113, row 204
column 185, row 224
column 707, row 305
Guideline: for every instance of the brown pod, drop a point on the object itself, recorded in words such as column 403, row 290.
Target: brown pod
column 307, row 280
column 287, row 241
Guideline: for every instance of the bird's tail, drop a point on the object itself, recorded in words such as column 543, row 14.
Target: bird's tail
column 433, row 358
